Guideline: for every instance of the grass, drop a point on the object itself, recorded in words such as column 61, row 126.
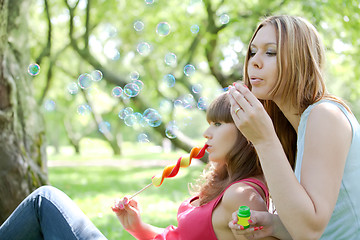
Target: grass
column 94, row 188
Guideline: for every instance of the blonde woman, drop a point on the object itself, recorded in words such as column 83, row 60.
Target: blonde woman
column 307, row 140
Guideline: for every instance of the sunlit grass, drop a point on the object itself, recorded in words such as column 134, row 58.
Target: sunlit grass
column 94, row 189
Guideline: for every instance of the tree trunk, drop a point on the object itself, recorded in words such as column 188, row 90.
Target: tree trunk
column 22, row 134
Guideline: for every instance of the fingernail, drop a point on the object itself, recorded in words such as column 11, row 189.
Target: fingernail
column 242, row 228
column 121, row 206
column 234, row 84
column 250, row 221
column 234, row 222
column 256, row 228
column 261, row 227
column 246, row 86
column 126, row 201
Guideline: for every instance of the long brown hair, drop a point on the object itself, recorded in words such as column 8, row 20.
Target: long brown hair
column 300, row 62
column 241, row 162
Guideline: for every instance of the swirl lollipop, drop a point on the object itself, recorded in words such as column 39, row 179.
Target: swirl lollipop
column 171, row 171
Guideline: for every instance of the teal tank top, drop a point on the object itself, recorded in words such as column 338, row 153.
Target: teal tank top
column 345, row 219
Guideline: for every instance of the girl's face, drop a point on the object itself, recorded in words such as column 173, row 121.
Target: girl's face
column 262, row 65
column 221, row 138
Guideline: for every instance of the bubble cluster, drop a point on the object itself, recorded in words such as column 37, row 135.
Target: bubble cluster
column 170, row 59
column 169, row 80
column 163, row 29
column 189, row 70
column 143, row 48
column 34, row 69
column 139, row 26
column 194, row 28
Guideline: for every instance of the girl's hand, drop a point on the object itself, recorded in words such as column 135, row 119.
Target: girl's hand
column 262, row 225
column 249, row 115
column 128, row 213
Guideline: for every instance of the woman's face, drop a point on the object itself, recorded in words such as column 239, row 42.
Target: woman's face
column 221, row 138
column 262, row 65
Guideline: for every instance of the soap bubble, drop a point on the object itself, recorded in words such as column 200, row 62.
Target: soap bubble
column 130, row 120
column 152, row 117
column 96, row 75
column 178, row 103
column 116, row 91
column 72, row 88
column 143, row 48
column 83, row 109
column 143, row 138
column 104, row 127
column 149, row 1
column 189, row 70
column 188, row 101
column 196, row 88
column 139, row 83
column 134, row 75
column 169, row 80
column 202, row 103
column 163, row 29
column 194, row 28
column 171, row 130
column 85, row 81
column 34, row 69
column 224, row 18
column 170, row 59
column 49, row 105
column 131, row 90
column 125, row 112
column 139, row 26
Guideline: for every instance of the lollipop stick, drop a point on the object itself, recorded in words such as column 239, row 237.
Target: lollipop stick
column 138, row 192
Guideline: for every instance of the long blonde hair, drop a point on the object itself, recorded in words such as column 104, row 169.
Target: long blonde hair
column 241, row 162
column 300, row 62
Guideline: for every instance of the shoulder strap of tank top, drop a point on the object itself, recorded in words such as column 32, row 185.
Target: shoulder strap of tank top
column 261, row 185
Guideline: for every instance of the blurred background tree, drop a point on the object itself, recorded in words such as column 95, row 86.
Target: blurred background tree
column 145, row 70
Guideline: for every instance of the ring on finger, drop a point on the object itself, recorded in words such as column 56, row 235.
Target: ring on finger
column 237, row 110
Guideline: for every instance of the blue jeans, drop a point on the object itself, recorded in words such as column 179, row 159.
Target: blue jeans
column 48, row 213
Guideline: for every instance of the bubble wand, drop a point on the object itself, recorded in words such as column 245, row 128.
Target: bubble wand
column 172, row 170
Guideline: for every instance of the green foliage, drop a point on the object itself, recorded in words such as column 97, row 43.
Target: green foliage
column 217, row 52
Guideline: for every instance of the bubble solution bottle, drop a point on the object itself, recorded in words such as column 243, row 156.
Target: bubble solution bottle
column 243, row 216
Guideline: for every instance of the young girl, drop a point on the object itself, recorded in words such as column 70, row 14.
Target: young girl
column 233, row 178
column 296, row 115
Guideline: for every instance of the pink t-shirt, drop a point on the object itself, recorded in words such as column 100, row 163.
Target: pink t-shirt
column 196, row 222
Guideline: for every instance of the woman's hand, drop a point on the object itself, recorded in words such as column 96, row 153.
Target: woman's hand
column 249, row 115
column 128, row 213
column 262, row 225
